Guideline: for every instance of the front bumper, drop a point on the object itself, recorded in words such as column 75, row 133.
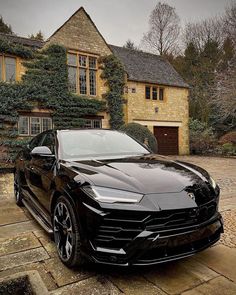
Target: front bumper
column 139, row 243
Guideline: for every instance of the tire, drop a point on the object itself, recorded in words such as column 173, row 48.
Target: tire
column 17, row 189
column 66, row 233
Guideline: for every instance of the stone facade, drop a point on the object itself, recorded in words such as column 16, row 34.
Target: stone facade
column 80, row 35
column 173, row 111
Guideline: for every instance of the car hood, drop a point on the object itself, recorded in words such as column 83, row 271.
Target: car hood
column 145, row 174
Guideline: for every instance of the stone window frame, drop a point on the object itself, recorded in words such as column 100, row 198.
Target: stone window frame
column 29, row 117
column 88, row 70
column 3, row 56
column 159, row 89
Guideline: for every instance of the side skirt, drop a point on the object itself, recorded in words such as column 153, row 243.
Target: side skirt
column 37, row 216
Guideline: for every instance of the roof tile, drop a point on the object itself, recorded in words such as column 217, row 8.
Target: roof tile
column 146, row 67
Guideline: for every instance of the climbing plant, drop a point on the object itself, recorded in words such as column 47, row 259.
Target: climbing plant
column 15, row 49
column 114, row 74
column 44, row 85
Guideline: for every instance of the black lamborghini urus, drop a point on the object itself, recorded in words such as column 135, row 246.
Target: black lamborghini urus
column 108, row 199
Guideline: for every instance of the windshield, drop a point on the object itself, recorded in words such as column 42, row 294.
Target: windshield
column 97, row 144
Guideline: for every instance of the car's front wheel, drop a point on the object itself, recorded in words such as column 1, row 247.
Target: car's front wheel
column 66, row 233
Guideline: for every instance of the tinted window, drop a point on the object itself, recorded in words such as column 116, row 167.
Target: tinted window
column 36, row 141
column 98, row 144
column 49, row 141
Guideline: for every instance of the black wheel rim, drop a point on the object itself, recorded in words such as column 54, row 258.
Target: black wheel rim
column 63, row 231
column 16, row 188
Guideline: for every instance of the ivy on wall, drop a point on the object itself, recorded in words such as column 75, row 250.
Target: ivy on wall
column 114, row 74
column 44, row 85
column 15, row 49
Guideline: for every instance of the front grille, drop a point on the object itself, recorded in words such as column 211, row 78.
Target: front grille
column 169, row 219
column 117, row 229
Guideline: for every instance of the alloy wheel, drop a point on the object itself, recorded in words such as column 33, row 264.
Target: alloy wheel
column 63, row 231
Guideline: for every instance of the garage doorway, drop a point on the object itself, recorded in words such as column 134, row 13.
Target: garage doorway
column 167, row 140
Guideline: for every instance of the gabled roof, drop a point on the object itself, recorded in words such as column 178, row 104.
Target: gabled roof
column 146, row 67
column 79, row 32
column 76, row 12
column 23, row 41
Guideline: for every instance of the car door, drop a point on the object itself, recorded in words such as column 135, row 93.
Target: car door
column 30, row 177
column 42, row 171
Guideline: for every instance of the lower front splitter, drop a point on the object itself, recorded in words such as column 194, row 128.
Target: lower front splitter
column 151, row 248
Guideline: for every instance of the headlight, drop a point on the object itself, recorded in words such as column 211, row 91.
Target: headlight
column 213, row 183
column 109, row 195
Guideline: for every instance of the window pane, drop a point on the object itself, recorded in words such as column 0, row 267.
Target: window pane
column 10, row 66
column 154, row 93
column 23, row 126
column 97, row 123
column 72, row 79
column 92, row 82
column 82, row 81
column 82, row 60
column 92, row 62
column 148, row 92
column 46, row 124
column 88, row 124
column 161, row 94
column 34, row 126
column 71, row 59
column 1, row 68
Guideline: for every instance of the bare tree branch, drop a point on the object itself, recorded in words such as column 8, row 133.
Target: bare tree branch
column 164, row 29
column 225, row 93
column 230, row 22
column 199, row 33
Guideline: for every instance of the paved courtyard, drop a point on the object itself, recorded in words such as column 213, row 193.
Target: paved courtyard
column 25, row 246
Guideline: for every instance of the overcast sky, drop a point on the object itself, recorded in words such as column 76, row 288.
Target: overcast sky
column 117, row 20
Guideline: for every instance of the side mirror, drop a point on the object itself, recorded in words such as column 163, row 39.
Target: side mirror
column 42, row 151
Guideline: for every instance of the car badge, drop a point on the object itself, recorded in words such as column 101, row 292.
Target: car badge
column 191, row 195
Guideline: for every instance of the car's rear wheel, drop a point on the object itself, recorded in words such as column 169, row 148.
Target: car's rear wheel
column 17, row 189
column 66, row 233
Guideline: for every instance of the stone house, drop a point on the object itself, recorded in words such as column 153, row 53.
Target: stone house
column 156, row 95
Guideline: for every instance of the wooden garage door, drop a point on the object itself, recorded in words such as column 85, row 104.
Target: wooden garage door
column 167, row 140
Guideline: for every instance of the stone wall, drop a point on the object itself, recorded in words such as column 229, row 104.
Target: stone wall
column 80, row 33
column 173, row 111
